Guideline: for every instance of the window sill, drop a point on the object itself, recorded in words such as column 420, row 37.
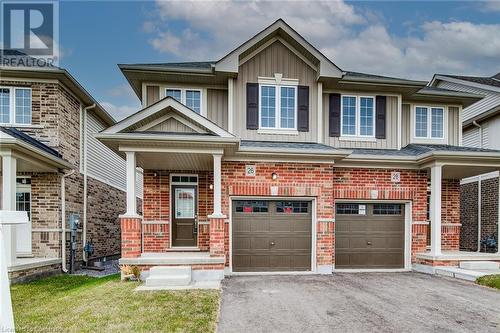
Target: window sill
column 357, row 138
column 277, row 131
column 21, row 125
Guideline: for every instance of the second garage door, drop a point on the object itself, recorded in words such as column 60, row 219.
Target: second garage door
column 369, row 235
column 271, row 235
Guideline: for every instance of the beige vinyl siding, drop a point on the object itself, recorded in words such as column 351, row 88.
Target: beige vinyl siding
column 171, row 125
column 391, row 140
column 276, row 58
column 491, row 98
column 453, row 126
column 217, row 107
column 471, row 138
column 152, row 94
column 103, row 164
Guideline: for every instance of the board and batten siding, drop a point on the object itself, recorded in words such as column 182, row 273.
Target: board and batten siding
column 391, row 127
column 491, row 98
column 453, row 126
column 217, row 106
column 152, row 94
column 171, row 125
column 276, row 58
column 103, row 164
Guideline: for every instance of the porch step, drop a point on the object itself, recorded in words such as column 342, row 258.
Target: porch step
column 162, row 276
column 459, row 273
column 480, row 265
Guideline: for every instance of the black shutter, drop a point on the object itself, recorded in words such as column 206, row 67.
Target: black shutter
column 303, row 108
column 334, row 114
column 380, row 116
column 252, row 106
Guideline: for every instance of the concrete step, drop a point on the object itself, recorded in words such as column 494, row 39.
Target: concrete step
column 458, row 273
column 479, row 265
column 170, row 270
column 168, row 281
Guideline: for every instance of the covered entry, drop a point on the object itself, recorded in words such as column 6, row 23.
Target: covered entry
column 369, row 235
column 271, row 235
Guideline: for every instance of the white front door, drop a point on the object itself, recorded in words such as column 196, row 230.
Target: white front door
column 23, row 203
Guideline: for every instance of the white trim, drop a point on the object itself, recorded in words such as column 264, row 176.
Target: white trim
column 320, row 113
column 484, row 176
column 407, row 233
column 358, row 138
column 277, row 131
column 277, row 83
column 314, row 203
column 174, row 116
column 12, row 106
column 428, row 139
column 357, row 114
column 230, row 105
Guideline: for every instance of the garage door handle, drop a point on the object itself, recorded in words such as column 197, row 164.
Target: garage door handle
column 368, row 243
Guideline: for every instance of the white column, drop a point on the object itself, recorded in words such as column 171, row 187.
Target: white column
column 217, row 186
column 435, row 209
column 131, row 177
column 9, row 170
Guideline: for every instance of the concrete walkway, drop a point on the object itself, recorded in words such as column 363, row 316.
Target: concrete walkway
column 362, row 302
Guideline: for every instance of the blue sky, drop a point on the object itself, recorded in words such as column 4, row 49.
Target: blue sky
column 406, row 39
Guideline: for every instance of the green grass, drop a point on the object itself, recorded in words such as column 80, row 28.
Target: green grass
column 83, row 304
column 492, row 281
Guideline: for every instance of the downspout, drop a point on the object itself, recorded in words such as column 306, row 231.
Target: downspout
column 63, row 219
column 479, row 197
column 85, row 187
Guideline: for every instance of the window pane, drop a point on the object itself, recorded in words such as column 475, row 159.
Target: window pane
column 387, row 209
column 366, row 116
column 184, row 203
column 437, row 122
column 268, row 106
column 421, row 122
column 289, row 207
column 287, row 107
column 4, row 105
column 23, row 106
column 193, row 100
column 348, row 115
column 251, row 206
column 175, row 93
column 348, row 209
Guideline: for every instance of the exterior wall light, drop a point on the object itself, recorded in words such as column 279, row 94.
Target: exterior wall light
column 274, row 176
column 211, row 186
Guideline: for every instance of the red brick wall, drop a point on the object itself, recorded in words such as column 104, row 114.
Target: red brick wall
column 450, row 214
column 131, row 237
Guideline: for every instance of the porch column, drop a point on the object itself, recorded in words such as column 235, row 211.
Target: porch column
column 9, row 171
column 435, row 209
column 131, row 180
column 217, row 219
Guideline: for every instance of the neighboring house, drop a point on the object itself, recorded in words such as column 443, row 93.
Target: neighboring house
column 53, row 167
column 275, row 159
column 481, row 129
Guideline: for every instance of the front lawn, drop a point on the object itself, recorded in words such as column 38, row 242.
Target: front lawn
column 83, row 304
column 492, row 281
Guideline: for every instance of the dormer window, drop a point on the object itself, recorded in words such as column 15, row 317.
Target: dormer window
column 429, row 122
column 15, row 106
column 189, row 97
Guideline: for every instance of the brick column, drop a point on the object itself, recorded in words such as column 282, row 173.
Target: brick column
column 216, row 237
column 131, row 236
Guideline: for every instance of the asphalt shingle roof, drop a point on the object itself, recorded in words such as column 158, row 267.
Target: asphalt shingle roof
column 493, row 81
column 413, row 150
column 285, row 145
column 30, row 140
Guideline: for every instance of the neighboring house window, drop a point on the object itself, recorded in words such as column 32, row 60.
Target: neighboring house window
column 429, row 122
column 189, row 97
column 15, row 105
column 278, row 107
column 358, row 116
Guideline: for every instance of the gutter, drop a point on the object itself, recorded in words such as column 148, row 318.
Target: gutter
column 63, row 219
column 85, row 185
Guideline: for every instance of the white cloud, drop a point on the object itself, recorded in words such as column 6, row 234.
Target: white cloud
column 490, row 6
column 119, row 111
column 353, row 39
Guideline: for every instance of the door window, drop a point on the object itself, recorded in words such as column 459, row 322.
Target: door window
column 184, row 203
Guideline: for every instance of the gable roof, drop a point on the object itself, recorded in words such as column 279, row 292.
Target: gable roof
column 484, row 81
column 158, row 107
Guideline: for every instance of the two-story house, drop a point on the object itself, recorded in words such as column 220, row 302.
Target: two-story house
column 275, row 159
column 481, row 129
column 53, row 168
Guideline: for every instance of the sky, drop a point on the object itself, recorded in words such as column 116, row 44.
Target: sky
column 405, row 39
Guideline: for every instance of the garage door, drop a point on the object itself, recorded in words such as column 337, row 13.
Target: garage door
column 271, row 235
column 369, row 235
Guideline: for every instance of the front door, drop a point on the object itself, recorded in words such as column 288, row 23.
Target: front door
column 184, row 208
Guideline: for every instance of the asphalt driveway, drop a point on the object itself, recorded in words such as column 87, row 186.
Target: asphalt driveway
column 361, row 302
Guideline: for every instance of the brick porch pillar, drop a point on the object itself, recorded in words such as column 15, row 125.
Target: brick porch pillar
column 131, row 236
column 217, row 237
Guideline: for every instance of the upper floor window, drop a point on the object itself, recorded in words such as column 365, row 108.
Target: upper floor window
column 278, row 107
column 15, row 105
column 189, row 97
column 358, row 116
column 429, row 122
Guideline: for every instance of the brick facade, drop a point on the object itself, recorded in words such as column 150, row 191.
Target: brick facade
column 469, row 213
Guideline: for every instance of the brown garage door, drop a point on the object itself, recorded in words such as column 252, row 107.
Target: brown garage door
column 271, row 235
column 369, row 235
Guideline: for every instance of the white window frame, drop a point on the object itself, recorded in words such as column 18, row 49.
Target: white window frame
column 12, row 106
column 277, row 114
column 357, row 133
column 183, row 96
column 429, row 122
